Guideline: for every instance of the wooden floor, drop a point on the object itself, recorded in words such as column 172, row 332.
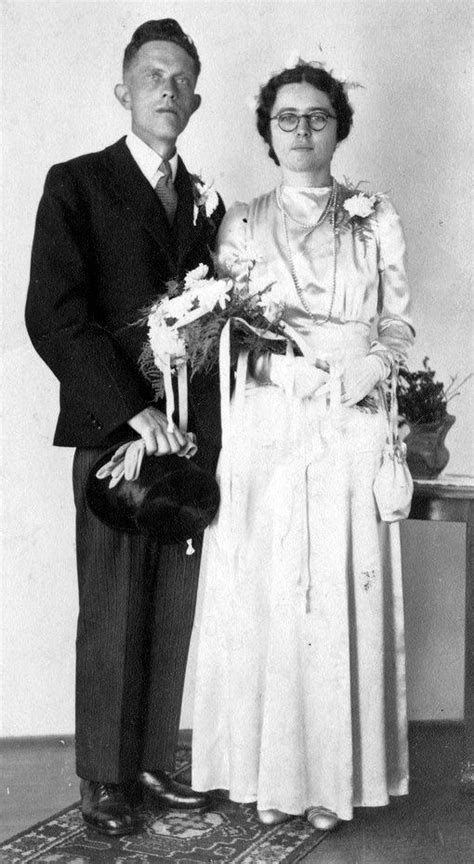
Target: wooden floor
column 433, row 825
column 38, row 778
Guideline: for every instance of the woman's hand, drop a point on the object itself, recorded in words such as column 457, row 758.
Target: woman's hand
column 360, row 378
column 298, row 372
column 308, row 379
column 152, row 426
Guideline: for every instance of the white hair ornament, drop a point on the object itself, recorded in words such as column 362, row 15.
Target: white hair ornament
column 295, row 59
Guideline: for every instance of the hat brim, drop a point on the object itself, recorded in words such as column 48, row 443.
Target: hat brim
column 172, row 500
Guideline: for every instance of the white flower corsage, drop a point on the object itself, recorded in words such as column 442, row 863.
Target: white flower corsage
column 360, row 205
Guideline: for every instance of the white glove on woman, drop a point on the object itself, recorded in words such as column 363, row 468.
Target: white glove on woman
column 294, row 374
column 360, row 378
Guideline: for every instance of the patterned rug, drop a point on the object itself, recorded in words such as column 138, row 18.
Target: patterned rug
column 227, row 834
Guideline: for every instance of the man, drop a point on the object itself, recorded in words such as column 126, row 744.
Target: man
column 112, row 228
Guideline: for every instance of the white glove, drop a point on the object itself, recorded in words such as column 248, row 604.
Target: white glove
column 297, row 374
column 360, row 378
column 127, row 459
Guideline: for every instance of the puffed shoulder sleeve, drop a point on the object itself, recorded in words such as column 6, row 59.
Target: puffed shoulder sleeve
column 395, row 328
column 232, row 254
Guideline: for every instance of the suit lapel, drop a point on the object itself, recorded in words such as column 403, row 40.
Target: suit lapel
column 135, row 191
column 183, row 229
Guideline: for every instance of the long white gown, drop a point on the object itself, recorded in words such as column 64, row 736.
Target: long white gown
column 300, row 688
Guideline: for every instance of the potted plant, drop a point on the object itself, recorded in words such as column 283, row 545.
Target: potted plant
column 423, row 405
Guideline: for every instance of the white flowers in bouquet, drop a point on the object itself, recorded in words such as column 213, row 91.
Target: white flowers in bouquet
column 185, row 329
column 258, row 303
column 170, row 314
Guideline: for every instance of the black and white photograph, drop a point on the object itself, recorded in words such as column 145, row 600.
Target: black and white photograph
column 237, row 462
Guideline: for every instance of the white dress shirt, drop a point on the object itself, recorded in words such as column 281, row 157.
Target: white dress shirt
column 148, row 160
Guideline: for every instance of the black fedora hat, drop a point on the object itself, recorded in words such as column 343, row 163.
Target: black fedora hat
column 173, row 499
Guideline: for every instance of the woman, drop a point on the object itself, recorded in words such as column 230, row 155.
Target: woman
column 300, row 702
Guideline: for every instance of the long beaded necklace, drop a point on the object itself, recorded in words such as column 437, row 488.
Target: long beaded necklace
column 329, row 208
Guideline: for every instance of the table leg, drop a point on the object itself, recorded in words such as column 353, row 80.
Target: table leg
column 467, row 768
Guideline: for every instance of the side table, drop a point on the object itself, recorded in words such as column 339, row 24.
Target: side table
column 450, row 498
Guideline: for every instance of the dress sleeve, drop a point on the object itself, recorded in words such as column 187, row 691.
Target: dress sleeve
column 395, row 329
column 232, row 253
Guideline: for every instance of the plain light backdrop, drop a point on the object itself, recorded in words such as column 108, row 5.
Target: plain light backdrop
column 411, row 138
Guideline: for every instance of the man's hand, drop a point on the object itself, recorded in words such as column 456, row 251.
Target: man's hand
column 360, row 378
column 152, row 426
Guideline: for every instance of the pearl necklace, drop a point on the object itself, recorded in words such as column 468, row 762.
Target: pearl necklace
column 330, row 206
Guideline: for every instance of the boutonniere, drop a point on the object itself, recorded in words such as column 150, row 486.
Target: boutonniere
column 206, row 199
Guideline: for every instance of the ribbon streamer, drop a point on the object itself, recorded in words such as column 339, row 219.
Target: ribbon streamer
column 168, row 393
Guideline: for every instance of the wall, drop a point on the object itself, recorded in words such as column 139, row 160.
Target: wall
column 61, row 61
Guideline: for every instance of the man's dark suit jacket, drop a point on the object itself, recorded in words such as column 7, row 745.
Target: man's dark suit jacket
column 102, row 253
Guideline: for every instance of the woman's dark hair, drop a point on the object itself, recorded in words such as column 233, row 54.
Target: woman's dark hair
column 320, row 79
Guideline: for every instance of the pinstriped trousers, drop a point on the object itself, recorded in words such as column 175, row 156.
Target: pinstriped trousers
column 136, row 611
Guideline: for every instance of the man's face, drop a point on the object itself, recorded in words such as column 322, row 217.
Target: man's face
column 158, row 89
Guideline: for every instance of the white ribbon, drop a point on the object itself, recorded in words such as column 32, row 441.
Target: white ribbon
column 224, row 377
column 229, row 510
column 168, row 382
column 183, row 397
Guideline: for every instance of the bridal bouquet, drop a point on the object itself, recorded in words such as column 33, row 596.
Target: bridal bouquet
column 185, row 326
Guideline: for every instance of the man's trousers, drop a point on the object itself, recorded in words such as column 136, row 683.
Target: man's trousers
column 136, row 610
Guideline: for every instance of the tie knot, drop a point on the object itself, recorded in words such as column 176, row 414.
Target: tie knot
column 165, row 169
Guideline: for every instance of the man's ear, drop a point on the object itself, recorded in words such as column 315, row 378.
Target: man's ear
column 196, row 102
column 122, row 93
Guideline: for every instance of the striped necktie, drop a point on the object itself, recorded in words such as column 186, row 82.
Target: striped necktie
column 166, row 191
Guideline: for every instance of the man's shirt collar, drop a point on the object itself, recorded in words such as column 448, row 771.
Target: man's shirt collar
column 148, row 160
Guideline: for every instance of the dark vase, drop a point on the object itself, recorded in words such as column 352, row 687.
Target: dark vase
column 427, row 454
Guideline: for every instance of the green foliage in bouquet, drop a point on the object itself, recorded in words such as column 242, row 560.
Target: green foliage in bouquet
column 203, row 335
column 422, row 399
column 185, row 326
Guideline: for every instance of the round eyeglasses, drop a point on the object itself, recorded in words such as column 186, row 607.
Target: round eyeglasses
column 288, row 121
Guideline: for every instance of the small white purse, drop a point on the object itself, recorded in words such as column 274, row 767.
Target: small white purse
column 393, row 485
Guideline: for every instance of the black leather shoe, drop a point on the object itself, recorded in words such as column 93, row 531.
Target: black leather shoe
column 167, row 793
column 106, row 808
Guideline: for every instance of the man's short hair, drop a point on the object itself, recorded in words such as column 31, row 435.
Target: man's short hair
column 164, row 30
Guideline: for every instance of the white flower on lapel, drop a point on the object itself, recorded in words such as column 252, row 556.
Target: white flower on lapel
column 205, row 196
column 360, row 205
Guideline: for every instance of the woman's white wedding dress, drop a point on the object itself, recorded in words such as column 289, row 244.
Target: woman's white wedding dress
column 300, row 688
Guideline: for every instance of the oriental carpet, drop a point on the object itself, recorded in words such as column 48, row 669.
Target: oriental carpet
column 227, row 834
